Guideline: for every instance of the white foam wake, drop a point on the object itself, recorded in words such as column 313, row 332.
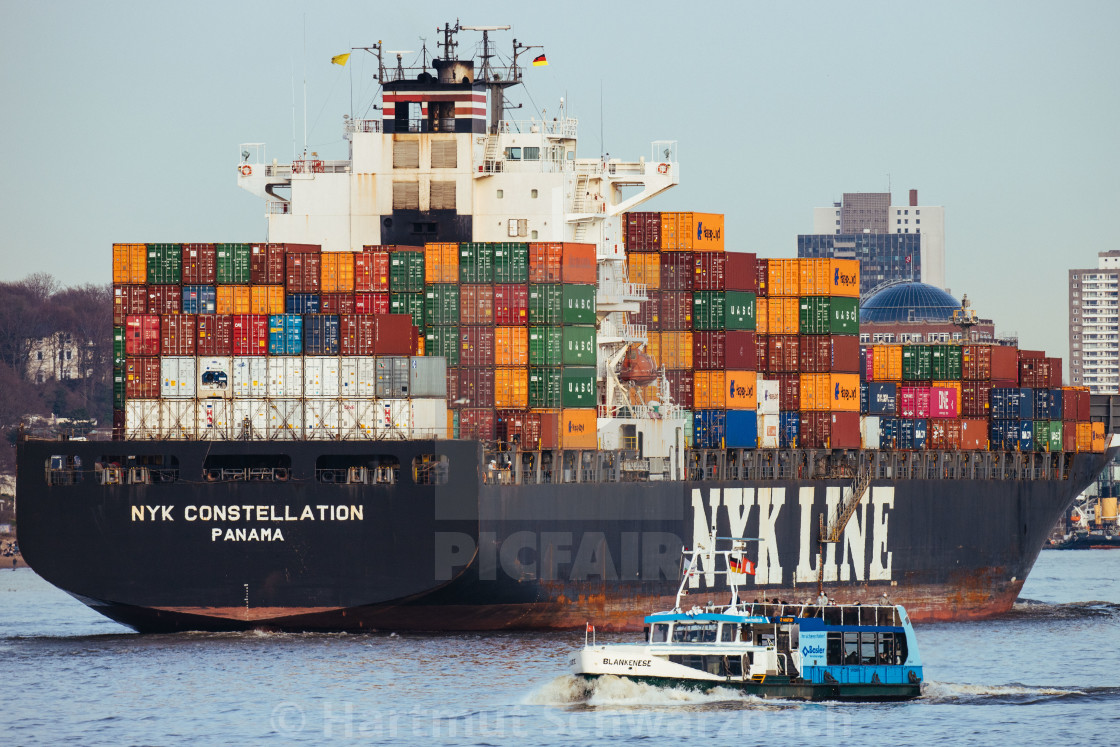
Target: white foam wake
column 620, row 691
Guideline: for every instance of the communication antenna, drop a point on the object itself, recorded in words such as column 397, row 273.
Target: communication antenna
column 965, row 317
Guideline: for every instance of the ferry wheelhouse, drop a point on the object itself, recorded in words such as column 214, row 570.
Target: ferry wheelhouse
column 773, row 649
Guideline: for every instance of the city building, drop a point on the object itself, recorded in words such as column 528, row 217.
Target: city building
column 1094, row 323
column 55, row 358
column 908, row 311
column 892, row 242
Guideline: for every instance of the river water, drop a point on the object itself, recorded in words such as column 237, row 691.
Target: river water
column 1048, row 671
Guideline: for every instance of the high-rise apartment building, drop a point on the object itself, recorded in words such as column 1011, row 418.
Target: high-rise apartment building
column 892, row 242
column 1094, row 325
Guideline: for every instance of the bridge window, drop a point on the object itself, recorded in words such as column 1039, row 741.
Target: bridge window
column 247, row 467
column 532, row 154
column 513, row 154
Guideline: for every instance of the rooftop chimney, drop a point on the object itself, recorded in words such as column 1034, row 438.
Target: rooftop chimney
column 913, row 198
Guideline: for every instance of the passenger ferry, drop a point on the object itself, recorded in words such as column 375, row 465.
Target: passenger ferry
column 768, row 648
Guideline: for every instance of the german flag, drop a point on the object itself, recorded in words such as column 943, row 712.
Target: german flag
column 540, row 61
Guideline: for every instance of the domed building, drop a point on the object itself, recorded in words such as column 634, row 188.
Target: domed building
column 909, row 311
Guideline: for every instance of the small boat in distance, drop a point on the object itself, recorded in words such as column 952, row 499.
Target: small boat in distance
column 772, row 649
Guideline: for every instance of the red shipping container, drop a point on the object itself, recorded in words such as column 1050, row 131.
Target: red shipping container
column 676, row 310
column 177, row 334
column 1032, row 354
column 867, row 362
column 478, row 424
column 476, row 346
column 371, row 272
column 815, row 354
column 337, row 303
column 1055, row 381
column 943, row 403
column 250, row 334
column 709, row 350
column 129, row 300
column 142, row 378
column 976, row 362
column 844, row 430
column 974, row 434
column 579, row 264
column 1005, row 364
column 165, row 299
column 649, row 312
column 740, row 350
column 741, row 271
column 913, row 402
column 845, row 354
column 511, row 305
column 1083, row 403
column 200, row 264
column 476, row 304
column 357, row 334
column 643, row 231
column 215, row 334
column 371, row 303
column 1069, row 436
column 944, row 433
column 677, row 271
column 709, row 271
column 546, row 261
column 762, row 353
column 816, row 429
column 395, row 334
column 142, row 332
column 789, row 391
column 476, row 387
column 550, row 429
column 761, row 278
column 453, row 396
column 302, row 269
column 975, row 396
column 783, row 354
column 521, row 428
column 682, row 387
column 266, row 264
column 1033, row 372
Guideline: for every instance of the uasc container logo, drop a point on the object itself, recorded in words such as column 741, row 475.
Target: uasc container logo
column 706, row 234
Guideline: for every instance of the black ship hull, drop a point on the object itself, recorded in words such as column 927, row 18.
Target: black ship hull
column 293, row 552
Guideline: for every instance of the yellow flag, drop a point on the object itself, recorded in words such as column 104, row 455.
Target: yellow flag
column 340, row 59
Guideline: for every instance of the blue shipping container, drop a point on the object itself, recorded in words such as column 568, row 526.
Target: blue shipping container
column 882, row 398
column 1055, row 396
column 1026, row 404
column 912, row 433
column 200, row 299
column 888, row 433
column 708, row 429
column 1012, row 403
column 301, row 303
column 742, row 429
column 320, row 334
column 1026, row 435
column 1005, row 434
column 789, row 429
column 285, row 334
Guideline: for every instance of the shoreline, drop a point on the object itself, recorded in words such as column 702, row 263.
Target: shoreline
column 6, row 560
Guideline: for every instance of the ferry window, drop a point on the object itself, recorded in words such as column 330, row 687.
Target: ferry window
column 533, row 154
column 887, row 649
column 835, row 650
column 234, row 467
column 901, row 651
column 357, row 469
column 695, row 632
column 851, row 648
column 513, row 154
column 727, row 632
column 429, row 469
column 868, row 651
column 660, row 633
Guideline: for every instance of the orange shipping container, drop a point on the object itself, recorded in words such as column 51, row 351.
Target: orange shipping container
column 1098, row 437
column 783, row 277
column 1084, row 436
column 266, row 299
column 511, row 388
column 815, row 277
column 783, row 316
column 545, row 261
column 974, row 434
column 741, row 388
column 653, row 346
column 579, row 428
column 579, row 264
column 511, row 346
column 844, row 392
column 886, row 362
column 644, row 267
column 130, row 264
column 234, row 299
column 815, row 393
column 707, row 390
column 844, row 278
column 676, row 350
column 441, row 263
column 761, row 316
column 692, row 232
column 337, row 272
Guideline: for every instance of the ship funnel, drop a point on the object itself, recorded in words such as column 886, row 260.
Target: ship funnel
column 455, row 71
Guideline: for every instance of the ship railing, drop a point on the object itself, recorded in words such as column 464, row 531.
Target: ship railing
column 361, row 125
column 612, row 291
column 278, row 207
column 631, row 332
column 832, row 613
column 566, row 127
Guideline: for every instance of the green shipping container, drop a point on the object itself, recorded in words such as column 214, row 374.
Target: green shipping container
column 476, row 262
column 844, row 319
column 442, row 341
column 233, row 264
column 165, row 264
column 915, row 363
column 408, row 303
column 406, row 271
column 579, row 388
column 814, row 315
column 546, row 304
column 1055, row 435
column 118, row 348
column 545, row 387
column 578, row 303
column 119, row 378
column 579, row 346
column 945, row 362
column 709, row 310
column 441, row 304
column 1041, row 435
column 454, row 424
column 511, row 262
column 545, row 346
column 739, row 310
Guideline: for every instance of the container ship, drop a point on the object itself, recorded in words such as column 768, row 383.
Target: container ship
column 466, row 385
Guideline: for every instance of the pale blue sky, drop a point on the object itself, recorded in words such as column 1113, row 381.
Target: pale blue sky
column 121, row 120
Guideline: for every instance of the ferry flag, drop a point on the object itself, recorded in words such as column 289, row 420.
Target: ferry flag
column 340, row 59
column 590, row 628
column 540, row 60
column 740, row 565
